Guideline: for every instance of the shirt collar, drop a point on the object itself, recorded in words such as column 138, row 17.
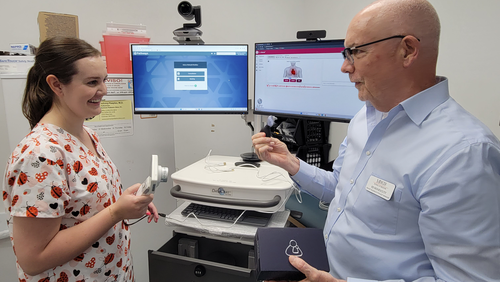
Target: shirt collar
column 420, row 105
column 373, row 116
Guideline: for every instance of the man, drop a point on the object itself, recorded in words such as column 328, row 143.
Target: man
column 415, row 191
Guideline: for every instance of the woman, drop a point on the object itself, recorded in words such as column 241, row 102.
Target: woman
column 67, row 208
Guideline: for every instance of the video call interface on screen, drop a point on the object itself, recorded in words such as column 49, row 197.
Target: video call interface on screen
column 303, row 79
column 170, row 79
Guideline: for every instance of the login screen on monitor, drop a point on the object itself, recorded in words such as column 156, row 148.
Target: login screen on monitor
column 204, row 79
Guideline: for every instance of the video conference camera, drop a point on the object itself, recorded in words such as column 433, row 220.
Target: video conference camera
column 311, row 35
column 189, row 12
column 188, row 33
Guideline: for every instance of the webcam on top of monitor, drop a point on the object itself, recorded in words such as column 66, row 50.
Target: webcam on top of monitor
column 189, row 12
column 189, row 33
column 311, row 35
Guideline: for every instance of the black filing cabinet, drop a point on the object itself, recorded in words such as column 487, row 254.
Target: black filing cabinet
column 213, row 260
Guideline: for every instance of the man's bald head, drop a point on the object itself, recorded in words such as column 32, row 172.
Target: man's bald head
column 387, row 71
column 385, row 18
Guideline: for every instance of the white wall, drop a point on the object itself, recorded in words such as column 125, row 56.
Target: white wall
column 467, row 58
column 4, row 140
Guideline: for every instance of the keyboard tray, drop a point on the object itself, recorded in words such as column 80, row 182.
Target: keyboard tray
column 251, row 218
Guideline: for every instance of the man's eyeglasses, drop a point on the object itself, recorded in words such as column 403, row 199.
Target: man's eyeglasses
column 348, row 52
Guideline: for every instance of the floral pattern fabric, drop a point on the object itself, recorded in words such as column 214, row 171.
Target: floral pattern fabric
column 52, row 174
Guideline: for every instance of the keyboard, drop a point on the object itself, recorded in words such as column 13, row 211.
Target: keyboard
column 252, row 218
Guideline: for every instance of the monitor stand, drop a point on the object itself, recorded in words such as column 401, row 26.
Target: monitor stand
column 250, row 157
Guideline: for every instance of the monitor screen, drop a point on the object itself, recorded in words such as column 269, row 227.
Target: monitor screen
column 190, row 79
column 303, row 79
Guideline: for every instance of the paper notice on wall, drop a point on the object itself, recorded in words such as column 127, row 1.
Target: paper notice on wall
column 52, row 24
column 115, row 120
column 119, row 86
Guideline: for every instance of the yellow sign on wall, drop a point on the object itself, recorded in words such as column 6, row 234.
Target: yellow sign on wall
column 116, row 119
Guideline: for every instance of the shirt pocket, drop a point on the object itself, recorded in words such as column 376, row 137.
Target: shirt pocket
column 380, row 215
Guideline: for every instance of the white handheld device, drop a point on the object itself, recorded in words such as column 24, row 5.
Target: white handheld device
column 158, row 174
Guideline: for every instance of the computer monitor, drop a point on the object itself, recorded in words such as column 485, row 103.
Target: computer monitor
column 303, row 79
column 190, row 79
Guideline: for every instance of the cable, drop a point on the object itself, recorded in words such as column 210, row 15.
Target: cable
column 143, row 217
column 295, row 189
column 213, row 166
column 251, row 126
column 207, row 161
column 129, row 224
column 323, row 205
column 216, row 168
column 190, row 214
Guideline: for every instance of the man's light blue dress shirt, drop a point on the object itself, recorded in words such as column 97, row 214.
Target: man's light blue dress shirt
column 442, row 221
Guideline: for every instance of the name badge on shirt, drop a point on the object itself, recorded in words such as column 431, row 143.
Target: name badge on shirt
column 380, row 187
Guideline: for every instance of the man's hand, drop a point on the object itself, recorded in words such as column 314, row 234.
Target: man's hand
column 312, row 274
column 274, row 151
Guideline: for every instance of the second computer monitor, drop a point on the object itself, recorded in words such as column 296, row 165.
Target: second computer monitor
column 303, row 79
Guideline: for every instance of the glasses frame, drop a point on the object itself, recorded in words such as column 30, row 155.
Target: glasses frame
column 347, row 52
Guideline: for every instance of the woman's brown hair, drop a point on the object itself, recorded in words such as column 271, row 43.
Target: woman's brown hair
column 56, row 56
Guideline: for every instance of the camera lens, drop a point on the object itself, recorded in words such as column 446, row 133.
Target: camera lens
column 185, row 8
